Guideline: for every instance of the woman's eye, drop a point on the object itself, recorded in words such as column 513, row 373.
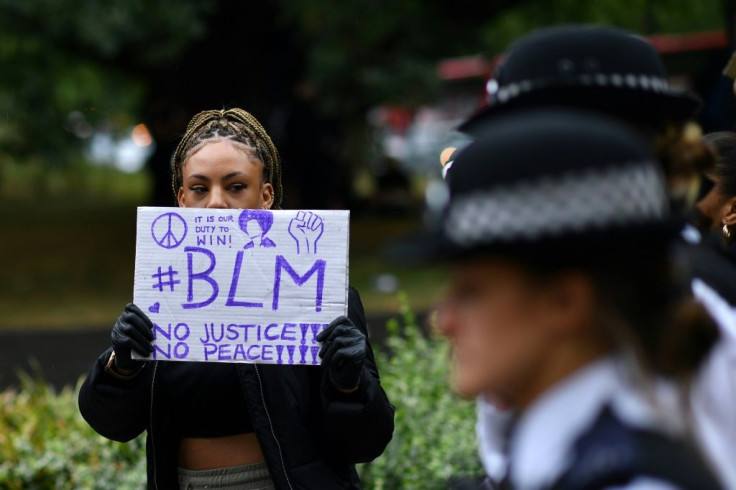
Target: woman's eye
column 237, row 187
column 198, row 189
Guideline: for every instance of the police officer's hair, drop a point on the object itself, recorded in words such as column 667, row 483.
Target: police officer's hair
column 681, row 150
column 644, row 306
column 652, row 312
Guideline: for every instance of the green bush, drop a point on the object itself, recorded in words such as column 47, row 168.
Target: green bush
column 45, row 443
column 434, row 438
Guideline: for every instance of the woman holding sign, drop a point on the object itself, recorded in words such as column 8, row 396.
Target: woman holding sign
column 240, row 425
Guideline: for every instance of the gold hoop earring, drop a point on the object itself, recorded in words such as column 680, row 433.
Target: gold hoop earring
column 726, row 231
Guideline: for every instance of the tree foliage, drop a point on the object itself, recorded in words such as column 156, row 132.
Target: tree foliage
column 640, row 16
column 72, row 65
column 366, row 52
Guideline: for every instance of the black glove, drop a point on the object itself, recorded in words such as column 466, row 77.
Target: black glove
column 343, row 352
column 132, row 331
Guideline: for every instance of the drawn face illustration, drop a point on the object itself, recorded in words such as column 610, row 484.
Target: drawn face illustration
column 221, row 175
column 256, row 223
column 253, row 229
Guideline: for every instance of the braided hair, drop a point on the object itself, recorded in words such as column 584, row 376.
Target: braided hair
column 241, row 128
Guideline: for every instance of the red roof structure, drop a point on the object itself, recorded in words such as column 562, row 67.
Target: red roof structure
column 479, row 66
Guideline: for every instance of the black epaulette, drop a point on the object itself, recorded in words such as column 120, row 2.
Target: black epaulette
column 613, row 454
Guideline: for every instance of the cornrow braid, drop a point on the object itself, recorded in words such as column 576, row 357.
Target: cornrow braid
column 238, row 126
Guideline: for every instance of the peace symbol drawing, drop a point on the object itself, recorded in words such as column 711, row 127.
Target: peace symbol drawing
column 169, row 230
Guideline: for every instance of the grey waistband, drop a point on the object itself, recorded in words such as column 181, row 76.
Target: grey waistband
column 246, row 477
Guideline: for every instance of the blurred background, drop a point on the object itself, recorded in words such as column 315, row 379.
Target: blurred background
column 360, row 96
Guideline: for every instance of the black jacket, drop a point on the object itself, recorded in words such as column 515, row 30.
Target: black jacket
column 311, row 435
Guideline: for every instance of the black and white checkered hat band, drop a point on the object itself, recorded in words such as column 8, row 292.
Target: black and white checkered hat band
column 620, row 195
column 505, row 93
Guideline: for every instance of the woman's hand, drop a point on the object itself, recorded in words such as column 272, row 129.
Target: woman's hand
column 343, row 353
column 132, row 331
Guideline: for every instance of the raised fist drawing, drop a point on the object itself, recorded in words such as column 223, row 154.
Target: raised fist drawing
column 306, row 229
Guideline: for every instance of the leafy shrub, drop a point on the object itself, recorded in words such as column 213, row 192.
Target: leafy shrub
column 45, row 443
column 434, row 439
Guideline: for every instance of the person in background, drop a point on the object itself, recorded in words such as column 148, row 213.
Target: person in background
column 730, row 71
column 393, row 188
column 561, row 303
column 716, row 205
column 614, row 73
column 243, row 426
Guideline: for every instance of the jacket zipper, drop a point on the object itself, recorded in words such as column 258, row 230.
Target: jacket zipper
column 150, row 420
column 270, row 423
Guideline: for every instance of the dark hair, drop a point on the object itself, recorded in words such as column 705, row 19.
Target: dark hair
column 646, row 306
column 235, row 125
column 657, row 314
column 263, row 217
column 724, row 144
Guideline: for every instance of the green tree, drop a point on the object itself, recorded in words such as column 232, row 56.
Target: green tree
column 70, row 66
column 640, row 16
column 365, row 52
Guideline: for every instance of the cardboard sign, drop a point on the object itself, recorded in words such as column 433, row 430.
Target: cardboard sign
column 234, row 285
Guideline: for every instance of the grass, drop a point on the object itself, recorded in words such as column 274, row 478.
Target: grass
column 368, row 236
column 68, row 261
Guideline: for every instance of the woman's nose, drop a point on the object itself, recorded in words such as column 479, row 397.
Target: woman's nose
column 217, row 199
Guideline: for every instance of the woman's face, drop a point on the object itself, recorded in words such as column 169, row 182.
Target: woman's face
column 221, row 175
column 504, row 328
column 714, row 208
column 490, row 315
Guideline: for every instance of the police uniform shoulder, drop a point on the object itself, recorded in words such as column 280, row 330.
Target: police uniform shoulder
column 705, row 262
column 612, row 453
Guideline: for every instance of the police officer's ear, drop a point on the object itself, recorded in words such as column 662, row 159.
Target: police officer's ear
column 569, row 302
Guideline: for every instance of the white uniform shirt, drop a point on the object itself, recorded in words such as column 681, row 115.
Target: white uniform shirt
column 541, row 446
column 712, row 399
column 713, row 395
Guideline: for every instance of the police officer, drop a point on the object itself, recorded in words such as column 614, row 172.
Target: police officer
column 561, row 306
column 615, row 73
